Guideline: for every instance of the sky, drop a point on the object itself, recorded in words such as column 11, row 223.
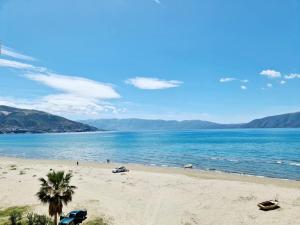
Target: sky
column 223, row 61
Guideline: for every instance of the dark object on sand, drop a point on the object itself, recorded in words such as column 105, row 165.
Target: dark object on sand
column 268, row 205
column 73, row 218
column 121, row 169
column 77, row 163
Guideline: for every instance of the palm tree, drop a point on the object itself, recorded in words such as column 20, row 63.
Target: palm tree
column 56, row 191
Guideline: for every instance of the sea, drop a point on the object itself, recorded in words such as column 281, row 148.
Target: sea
column 258, row 152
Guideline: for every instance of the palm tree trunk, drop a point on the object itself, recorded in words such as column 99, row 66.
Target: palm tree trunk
column 55, row 219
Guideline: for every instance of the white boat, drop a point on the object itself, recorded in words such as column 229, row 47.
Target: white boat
column 188, row 166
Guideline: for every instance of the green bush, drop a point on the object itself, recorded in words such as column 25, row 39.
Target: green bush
column 36, row 219
column 5, row 214
column 15, row 217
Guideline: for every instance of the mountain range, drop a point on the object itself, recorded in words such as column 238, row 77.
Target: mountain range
column 289, row 120
column 15, row 120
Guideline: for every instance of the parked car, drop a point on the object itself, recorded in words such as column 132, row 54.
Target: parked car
column 121, row 169
column 73, row 218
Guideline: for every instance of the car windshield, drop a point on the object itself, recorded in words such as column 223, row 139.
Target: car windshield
column 72, row 215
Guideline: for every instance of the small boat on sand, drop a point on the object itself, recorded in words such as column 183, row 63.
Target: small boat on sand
column 188, row 166
column 268, row 205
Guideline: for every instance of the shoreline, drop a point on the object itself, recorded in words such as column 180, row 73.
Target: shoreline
column 196, row 173
column 249, row 153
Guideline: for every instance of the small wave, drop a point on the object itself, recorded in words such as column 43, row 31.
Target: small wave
column 223, row 159
column 295, row 164
column 233, row 160
column 279, row 162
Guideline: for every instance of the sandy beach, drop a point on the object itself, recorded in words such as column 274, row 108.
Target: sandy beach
column 153, row 195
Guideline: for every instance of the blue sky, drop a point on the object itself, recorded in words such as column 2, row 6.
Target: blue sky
column 224, row 61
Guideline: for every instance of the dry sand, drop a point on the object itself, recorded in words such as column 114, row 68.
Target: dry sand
column 155, row 196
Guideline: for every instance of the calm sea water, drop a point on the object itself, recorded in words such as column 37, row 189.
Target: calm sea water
column 261, row 152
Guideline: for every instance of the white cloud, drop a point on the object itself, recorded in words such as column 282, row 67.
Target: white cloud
column 21, row 66
column 68, row 84
column 148, row 83
column 270, row 73
column 292, row 76
column 65, row 105
column 14, row 54
column 76, row 86
column 282, row 82
column 230, row 79
column 77, row 97
column 15, row 64
column 157, row 2
column 269, row 85
column 227, row 79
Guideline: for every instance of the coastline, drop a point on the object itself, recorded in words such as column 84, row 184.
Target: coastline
column 195, row 172
column 243, row 152
column 150, row 195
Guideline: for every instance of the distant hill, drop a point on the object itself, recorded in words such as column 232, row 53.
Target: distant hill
column 289, row 120
column 14, row 120
column 143, row 124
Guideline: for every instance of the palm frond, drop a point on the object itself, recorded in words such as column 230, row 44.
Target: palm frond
column 56, row 191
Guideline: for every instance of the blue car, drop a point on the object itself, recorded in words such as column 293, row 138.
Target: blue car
column 73, row 218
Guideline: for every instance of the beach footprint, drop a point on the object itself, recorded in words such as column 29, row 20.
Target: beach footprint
column 154, row 206
column 246, row 198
